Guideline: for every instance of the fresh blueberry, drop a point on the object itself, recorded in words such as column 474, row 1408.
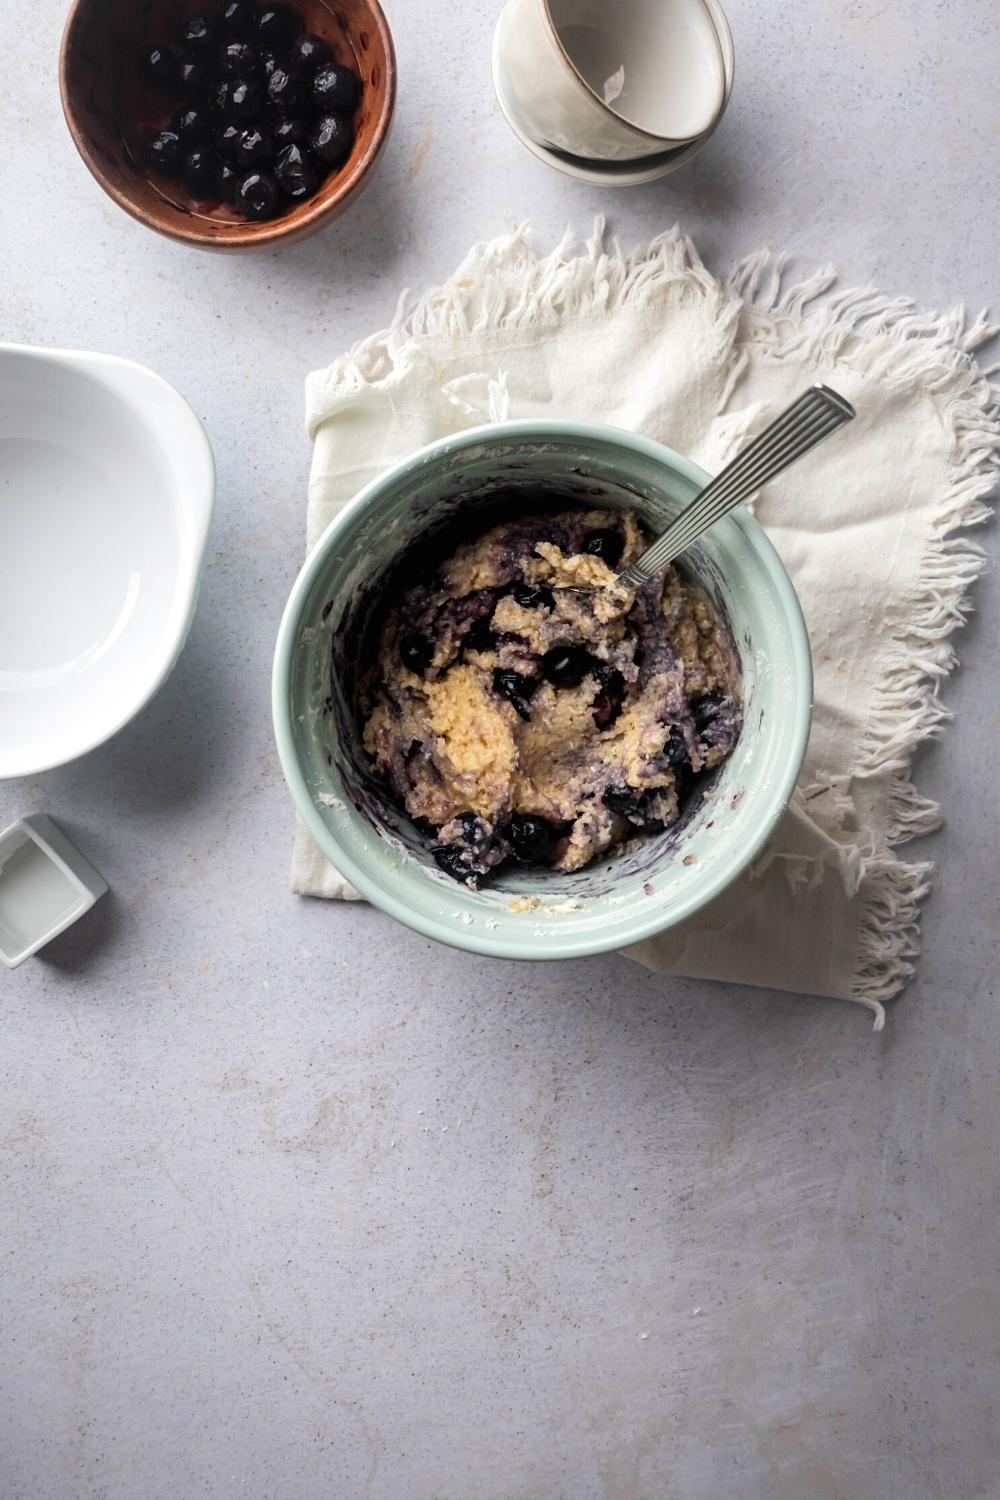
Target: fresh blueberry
column 191, row 124
column 237, row 59
column 277, row 25
column 480, row 637
column 336, row 88
column 283, row 88
column 607, row 545
column 607, row 705
column 633, row 805
column 533, row 839
column 675, row 750
column 531, row 596
column 566, row 666
column 454, row 861
column 159, row 66
column 289, row 132
column 218, row 98
column 192, row 74
column 227, row 180
column 706, row 708
column 200, row 33
column 244, row 100
column 236, row 17
column 201, row 171
column 226, row 141
column 331, row 140
column 415, row 651
column 517, row 689
column 622, row 800
column 309, row 52
column 476, row 833
column 253, row 147
column 163, row 151
column 472, row 828
column 297, row 177
column 257, row 195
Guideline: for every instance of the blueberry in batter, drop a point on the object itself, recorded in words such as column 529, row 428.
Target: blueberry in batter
column 523, row 710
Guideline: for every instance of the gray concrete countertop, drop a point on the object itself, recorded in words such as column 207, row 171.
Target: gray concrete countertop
column 295, row 1204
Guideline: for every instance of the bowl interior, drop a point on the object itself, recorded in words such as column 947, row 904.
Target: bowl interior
column 658, row 71
column 110, row 113
column 611, row 173
column 463, row 482
column 103, row 517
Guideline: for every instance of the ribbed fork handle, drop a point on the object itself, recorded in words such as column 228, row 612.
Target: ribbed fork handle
column 814, row 416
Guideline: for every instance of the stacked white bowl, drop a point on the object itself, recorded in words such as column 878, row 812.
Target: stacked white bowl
column 610, row 93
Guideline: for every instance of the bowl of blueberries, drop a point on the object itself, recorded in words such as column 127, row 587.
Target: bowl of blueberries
column 233, row 128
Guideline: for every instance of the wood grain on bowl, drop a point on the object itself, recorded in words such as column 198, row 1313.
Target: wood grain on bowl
column 110, row 115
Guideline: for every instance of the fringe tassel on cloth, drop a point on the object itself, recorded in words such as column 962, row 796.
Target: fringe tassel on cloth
column 897, row 343
column 503, row 286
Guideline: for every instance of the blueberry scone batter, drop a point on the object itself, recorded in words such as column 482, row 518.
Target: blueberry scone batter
column 520, row 717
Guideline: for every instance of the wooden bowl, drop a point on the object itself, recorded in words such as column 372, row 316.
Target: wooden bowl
column 110, row 114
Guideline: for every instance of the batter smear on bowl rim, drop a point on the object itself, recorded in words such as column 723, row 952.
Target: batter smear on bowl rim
column 524, row 711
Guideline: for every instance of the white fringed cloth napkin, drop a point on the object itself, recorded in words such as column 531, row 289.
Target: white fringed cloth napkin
column 871, row 529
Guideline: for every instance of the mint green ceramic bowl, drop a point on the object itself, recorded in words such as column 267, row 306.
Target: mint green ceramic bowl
column 522, row 913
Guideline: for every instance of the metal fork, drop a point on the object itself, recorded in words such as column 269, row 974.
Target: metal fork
column 814, row 416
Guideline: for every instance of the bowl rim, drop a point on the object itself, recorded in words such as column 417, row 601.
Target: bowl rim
column 638, row 170
column 466, row 937
column 665, row 141
column 248, row 236
column 201, row 489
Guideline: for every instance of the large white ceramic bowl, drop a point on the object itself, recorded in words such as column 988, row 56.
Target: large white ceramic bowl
column 106, row 489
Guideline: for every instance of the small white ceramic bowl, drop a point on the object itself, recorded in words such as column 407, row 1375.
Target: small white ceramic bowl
column 630, row 173
column 608, row 82
column 45, row 886
column 106, row 489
